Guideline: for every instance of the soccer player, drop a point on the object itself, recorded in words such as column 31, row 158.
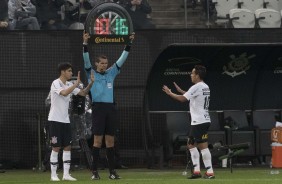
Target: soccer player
column 60, row 128
column 199, row 96
column 104, row 114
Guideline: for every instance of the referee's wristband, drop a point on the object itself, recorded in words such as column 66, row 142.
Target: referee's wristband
column 85, row 48
column 127, row 48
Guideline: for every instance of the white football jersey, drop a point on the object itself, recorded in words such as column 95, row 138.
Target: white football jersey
column 199, row 97
column 60, row 104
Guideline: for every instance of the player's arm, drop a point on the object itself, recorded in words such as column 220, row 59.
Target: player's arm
column 179, row 98
column 69, row 90
column 86, row 58
column 181, row 91
column 48, row 100
column 85, row 91
column 72, row 88
column 125, row 52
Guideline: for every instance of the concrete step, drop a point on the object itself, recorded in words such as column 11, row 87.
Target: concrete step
column 167, row 21
column 177, row 14
column 160, row 26
column 172, row 6
column 166, row 7
column 156, row 2
column 168, row 13
column 189, row 26
column 173, row 20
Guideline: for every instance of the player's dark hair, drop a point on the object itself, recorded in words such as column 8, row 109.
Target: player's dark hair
column 63, row 67
column 201, row 71
column 98, row 59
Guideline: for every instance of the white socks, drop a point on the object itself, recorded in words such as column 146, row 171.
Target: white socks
column 67, row 162
column 206, row 155
column 195, row 156
column 54, row 163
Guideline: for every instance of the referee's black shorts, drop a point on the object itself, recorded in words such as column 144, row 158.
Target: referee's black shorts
column 199, row 133
column 104, row 118
column 60, row 134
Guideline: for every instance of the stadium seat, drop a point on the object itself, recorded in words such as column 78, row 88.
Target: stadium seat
column 215, row 121
column 264, row 121
column 216, row 132
column 268, row 18
column 251, row 5
column 273, row 4
column 222, row 9
column 244, row 133
column 242, row 18
column 178, row 125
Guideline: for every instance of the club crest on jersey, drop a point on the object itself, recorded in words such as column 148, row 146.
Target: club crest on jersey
column 237, row 65
column 54, row 140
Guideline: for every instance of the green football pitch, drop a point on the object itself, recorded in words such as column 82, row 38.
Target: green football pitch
column 148, row 176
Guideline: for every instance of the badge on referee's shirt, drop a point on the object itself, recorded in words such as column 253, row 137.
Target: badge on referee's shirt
column 109, row 85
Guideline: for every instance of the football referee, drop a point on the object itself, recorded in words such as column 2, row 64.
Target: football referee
column 104, row 114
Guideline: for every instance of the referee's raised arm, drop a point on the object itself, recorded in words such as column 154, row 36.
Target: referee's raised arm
column 86, row 58
column 125, row 52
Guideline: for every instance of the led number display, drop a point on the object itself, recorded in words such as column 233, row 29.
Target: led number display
column 108, row 23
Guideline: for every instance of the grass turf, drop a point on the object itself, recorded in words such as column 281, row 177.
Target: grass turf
column 146, row 176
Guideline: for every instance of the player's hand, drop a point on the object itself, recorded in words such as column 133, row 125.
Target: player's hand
column 177, row 87
column 92, row 76
column 86, row 36
column 77, row 82
column 166, row 89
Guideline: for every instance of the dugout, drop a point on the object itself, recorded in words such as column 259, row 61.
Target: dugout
column 244, row 80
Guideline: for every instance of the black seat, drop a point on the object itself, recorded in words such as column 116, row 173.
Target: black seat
column 242, row 133
column 216, row 133
column 264, row 121
column 178, row 125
